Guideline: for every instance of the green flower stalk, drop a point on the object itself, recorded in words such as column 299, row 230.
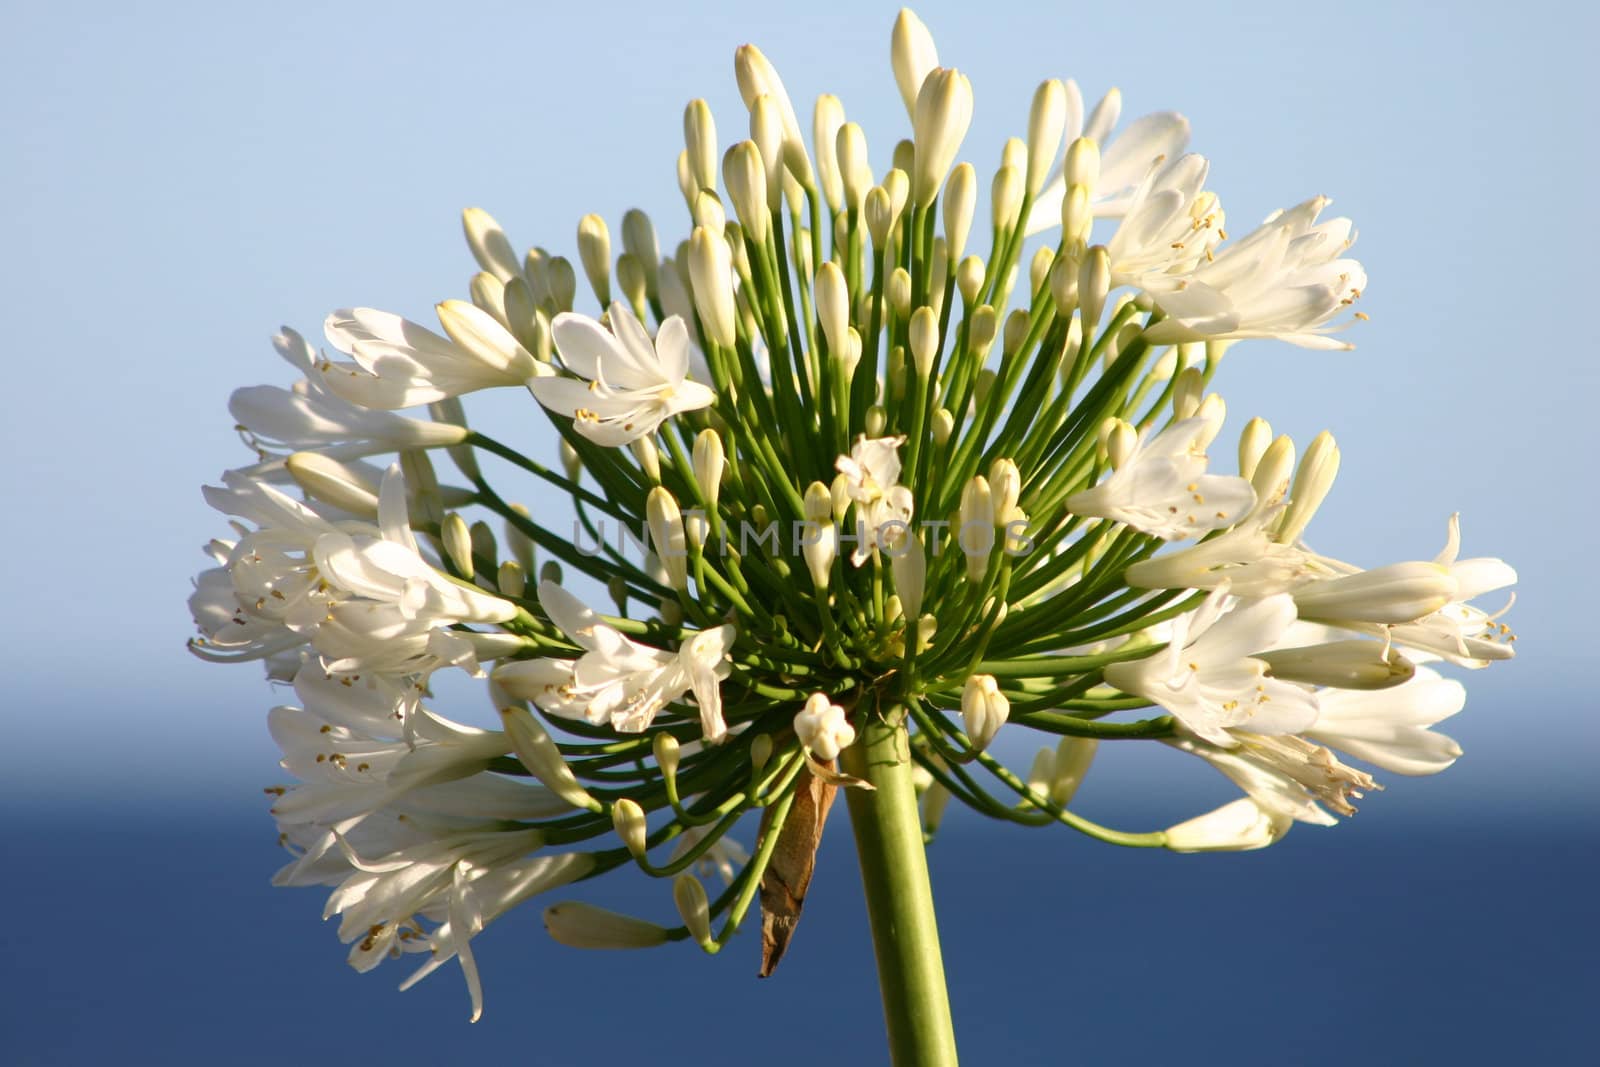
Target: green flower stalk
column 849, row 499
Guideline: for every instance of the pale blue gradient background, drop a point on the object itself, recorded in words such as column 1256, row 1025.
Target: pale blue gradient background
column 176, row 180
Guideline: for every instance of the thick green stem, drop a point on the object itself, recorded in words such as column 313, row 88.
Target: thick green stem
column 894, row 873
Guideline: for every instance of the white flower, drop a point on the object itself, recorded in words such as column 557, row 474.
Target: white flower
column 871, row 472
column 1162, row 489
column 1246, row 557
column 633, row 384
column 1208, row 677
column 1389, row 727
column 1125, row 161
column 617, row 680
column 1286, row 280
column 399, row 364
column 1235, row 827
column 1170, row 227
column 823, row 729
column 309, row 415
column 1288, row 776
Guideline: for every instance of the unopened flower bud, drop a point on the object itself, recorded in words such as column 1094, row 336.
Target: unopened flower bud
column 489, row 295
column 897, row 291
column 332, row 482
column 1064, row 274
column 700, row 140
column 579, row 925
column 909, row 565
column 912, row 56
column 512, row 579
column 766, row 130
column 693, row 907
column 645, row 451
column 1394, row 594
column 969, row 279
column 571, row 463
column 1094, row 282
column 944, row 424
column 879, row 212
column 594, row 249
column 518, row 543
column 982, row 385
column 960, row 203
column 1005, row 196
column 1188, row 393
column 905, row 156
column 1270, row 479
column 829, row 116
column 1119, row 439
column 666, row 533
column 877, row 418
column 854, row 168
column 1071, row 763
column 924, row 339
column 977, row 521
column 489, row 244
column 1005, row 485
column 424, row 502
column 982, row 325
column 757, row 77
column 1039, row 268
column 1082, row 165
column 984, row 709
column 457, row 540
column 563, row 283
column 1077, row 216
column 1236, row 827
column 934, row 803
column 639, row 239
column 711, row 271
column 1040, row 773
column 1311, row 484
column 1047, row 120
column 537, row 752
column 709, row 461
column 744, row 174
column 1018, row 323
column 1253, row 441
column 760, row 751
column 1353, row 664
column 628, row 819
column 707, row 211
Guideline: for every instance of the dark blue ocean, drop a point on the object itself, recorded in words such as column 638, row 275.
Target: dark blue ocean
column 137, row 935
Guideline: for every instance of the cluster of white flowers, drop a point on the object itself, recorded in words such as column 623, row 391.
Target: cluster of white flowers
column 1038, row 537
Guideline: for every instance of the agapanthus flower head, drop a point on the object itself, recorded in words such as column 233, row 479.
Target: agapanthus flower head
column 885, row 495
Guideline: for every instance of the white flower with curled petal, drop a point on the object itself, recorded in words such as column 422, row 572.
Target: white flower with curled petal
column 1162, row 489
column 309, row 415
column 822, row 728
column 1286, row 279
column 632, row 384
column 871, row 470
column 1389, row 728
column 1288, row 776
column 618, row 681
column 1125, row 160
column 399, row 364
column 1170, row 227
column 1208, row 677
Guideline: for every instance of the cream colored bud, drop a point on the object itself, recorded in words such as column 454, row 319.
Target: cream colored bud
column 1094, row 282
column 1311, row 484
column 710, row 459
column 744, row 174
column 981, row 328
column 563, row 283
column 571, row 464
column 1039, row 268
column 579, row 925
column 536, row 751
column 711, row 271
column 909, row 565
column 1071, row 763
column 511, row 579
column 518, row 543
column 708, row 211
column 984, row 709
column 1047, row 122
column 594, row 249
column 1391, row 595
column 879, row 212
column 854, row 168
column 1236, row 827
column 876, row 420
column 912, row 56
column 800, row 248
column 1005, row 196
column 825, row 123
column 833, row 304
column 982, row 384
column 1212, row 411
column 924, row 339
column 766, row 131
column 1077, row 216
column 423, row 501
column 960, row 203
column 850, row 355
column 489, row 244
column 639, row 238
column 488, row 294
column 822, row 729
column 645, row 451
column 944, row 424
column 631, row 280
column 667, row 753
column 1014, row 154
column 760, row 751
column 1270, row 479
column 1253, row 441
column 894, row 374
column 1005, row 483
column 1018, row 324
column 943, row 113
column 975, row 526
column 1082, row 166
column 898, row 186
column 969, row 279
column 897, row 291
column 332, row 482
column 904, row 158
column 757, row 77
column 457, row 541
column 1064, row 273
column 1354, row 664
column 1119, row 439
column 1188, row 393
column 700, row 140
column 693, row 908
column 522, row 312
column 628, row 819
column 934, row 803
column 666, row 532
column 688, row 184
column 1040, row 773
